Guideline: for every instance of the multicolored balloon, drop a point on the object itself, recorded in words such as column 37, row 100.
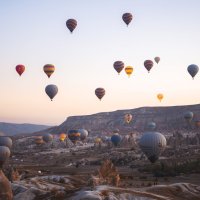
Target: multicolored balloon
column 51, row 91
column 148, row 64
column 193, row 70
column 160, row 96
column 84, row 134
column 119, row 66
column 39, row 140
column 74, row 135
column 62, row 137
column 129, row 70
column 127, row 18
column 157, row 59
column 100, row 92
column 47, row 137
column 71, row 24
column 127, row 118
column 49, row 69
column 20, row 69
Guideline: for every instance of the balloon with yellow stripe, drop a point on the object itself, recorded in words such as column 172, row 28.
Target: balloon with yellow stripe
column 129, row 70
column 49, row 69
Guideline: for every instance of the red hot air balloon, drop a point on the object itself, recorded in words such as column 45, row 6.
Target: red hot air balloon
column 20, row 69
column 119, row 66
column 127, row 18
column 148, row 64
column 71, row 24
column 100, row 92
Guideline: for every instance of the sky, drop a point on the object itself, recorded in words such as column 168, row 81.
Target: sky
column 34, row 33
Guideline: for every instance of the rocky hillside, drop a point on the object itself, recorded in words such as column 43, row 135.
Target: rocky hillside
column 167, row 119
column 11, row 129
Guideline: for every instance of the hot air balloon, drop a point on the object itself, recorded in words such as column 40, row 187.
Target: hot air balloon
column 62, row 137
column 71, row 24
column 151, row 126
column 74, row 135
column 188, row 116
column 197, row 123
column 116, row 130
column 84, row 134
column 129, row 70
column 127, row 118
column 148, row 64
column 97, row 140
column 193, row 70
column 152, row 144
column 51, row 91
column 127, row 18
column 6, row 141
column 119, row 66
column 4, row 155
column 100, row 92
column 116, row 139
column 157, row 59
column 47, row 137
column 160, row 96
column 39, row 140
column 49, row 69
column 20, row 69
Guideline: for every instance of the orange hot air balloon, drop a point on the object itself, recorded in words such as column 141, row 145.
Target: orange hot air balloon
column 129, row 70
column 100, row 92
column 49, row 69
column 20, row 69
column 160, row 96
column 62, row 137
column 71, row 24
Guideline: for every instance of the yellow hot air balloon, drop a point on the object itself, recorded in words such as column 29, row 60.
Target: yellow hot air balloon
column 129, row 70
column 160, row 96
column 97, row 140
column 62, row 137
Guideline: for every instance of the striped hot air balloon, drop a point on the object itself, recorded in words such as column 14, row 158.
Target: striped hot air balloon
column 100, row 92
column 127, row 18
column 129, row 70
column 71, row 24
column 20, row 69
column 148, row 64
column 49, row 69
column 118, row 66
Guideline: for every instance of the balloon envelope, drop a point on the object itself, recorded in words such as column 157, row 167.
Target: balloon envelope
column 71, row 24
column 148, row 64
column 151, row 126
column 51, row 91
column 97, row 140
column 74, row 135
column 6, row 141
column 116, row 139
column 20, row 69
column 84, row 134
column 152, row 144
column 160, row 97
column 4, row 154
column 49, row 69
column 127, row 118
column 100, row 92
column 47, row 137
column 127, row 18
column 193, row 70
column 157, row 59
column 39, row 140
column 118, row 66
column 188, row 116
column 129, row 70
column 62, row 136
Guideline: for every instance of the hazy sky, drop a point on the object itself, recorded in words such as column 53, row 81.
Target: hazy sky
column 33, row 33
